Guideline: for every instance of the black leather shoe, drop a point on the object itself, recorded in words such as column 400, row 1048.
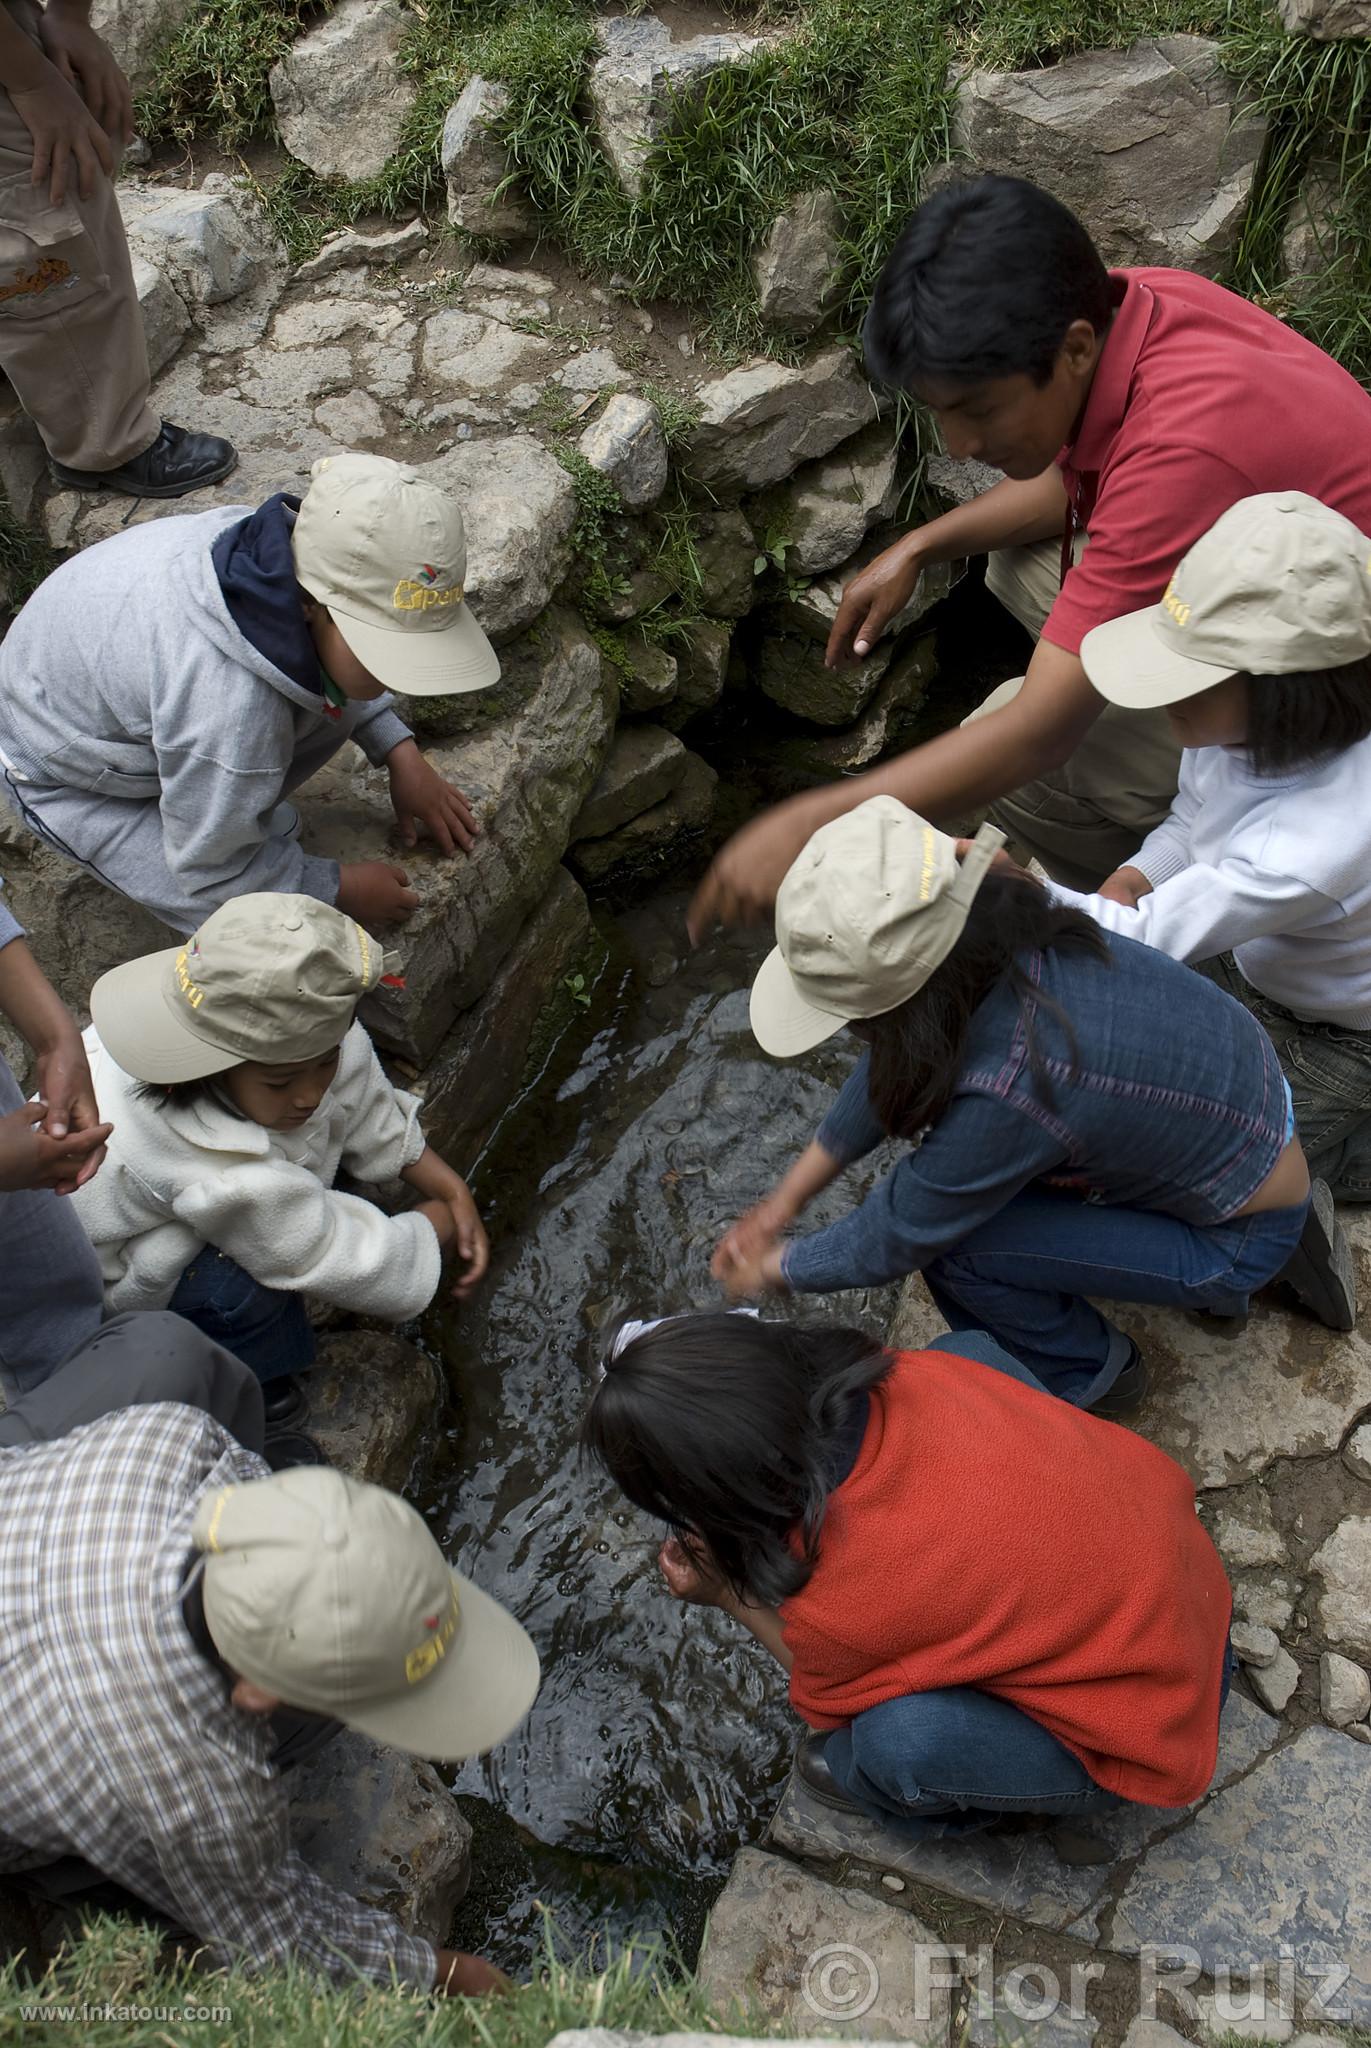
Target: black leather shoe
column 284, row 1402
column 1320, row 1269
column 817, row 1780
column 178, row 461
column 285, row 1449
column 1128, row 1392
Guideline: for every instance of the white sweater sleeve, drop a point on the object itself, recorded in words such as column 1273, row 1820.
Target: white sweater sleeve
column 383, row 1133
column 1205, row 910
column 289, row 1231
column 1166, row 849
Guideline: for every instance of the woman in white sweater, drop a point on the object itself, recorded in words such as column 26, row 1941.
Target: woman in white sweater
column 238, row 1085
column 1261, row 653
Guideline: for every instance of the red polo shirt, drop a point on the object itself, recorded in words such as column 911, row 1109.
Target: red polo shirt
column 1200, row 399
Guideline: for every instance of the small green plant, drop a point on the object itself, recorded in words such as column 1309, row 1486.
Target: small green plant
column 575, row 986
column 678, row 414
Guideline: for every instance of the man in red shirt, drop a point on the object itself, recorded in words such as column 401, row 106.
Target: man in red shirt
column 1127, row 409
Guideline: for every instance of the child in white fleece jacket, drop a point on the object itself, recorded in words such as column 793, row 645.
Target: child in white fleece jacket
column 238, row 1085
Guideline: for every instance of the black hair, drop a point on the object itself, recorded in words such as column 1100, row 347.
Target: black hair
column 724, row 1427
column 917, row 1049
column 183, row 1094
column 1293, row 720
column 984, row 282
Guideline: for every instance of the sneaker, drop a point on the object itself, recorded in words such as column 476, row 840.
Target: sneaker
column 285, row 1449
column 284, row 1402
column 1320, row 1270
column 1128, row 1391
column 815, row 1778
column 178, row 461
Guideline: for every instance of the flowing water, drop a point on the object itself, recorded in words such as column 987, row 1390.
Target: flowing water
column 661, row 1736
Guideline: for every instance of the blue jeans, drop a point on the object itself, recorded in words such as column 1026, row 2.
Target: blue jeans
column 266, row 1328
column 1023, row 1277
column 949, row 1761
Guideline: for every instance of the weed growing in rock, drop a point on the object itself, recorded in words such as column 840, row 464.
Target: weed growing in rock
column 679, row 415
column 26, row 557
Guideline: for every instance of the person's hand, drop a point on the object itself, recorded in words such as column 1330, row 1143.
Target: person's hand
column 87, row 63
column 473, row 1246
column 871, row 600
column 740, row 883
column 744, row 1276
column 698, row 1584
column 375, row 892
column 998, row 859
column 459, row 1975
column 68, row 142
column 1127, row 886
column 66, row 1090
column 755, row 1232
column 31, row 1158
column 423, row 801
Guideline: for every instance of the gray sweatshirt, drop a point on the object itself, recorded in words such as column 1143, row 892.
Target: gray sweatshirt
column 125, row 677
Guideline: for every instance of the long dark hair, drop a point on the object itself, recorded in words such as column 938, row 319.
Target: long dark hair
column 917, row 1050
column 724, row 1427
column 1294, row 720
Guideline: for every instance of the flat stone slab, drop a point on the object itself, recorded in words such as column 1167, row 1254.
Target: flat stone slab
column 819, row 1958
column 1021, row 1875
column 1277, row 1863
column 373, row 1402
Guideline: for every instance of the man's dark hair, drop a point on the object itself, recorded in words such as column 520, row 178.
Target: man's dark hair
column 984, row 282
column 726, row 1428
column 1295, row 720
column 917, row 1049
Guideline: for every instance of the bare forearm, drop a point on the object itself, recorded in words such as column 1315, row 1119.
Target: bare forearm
column 28, row 998
column 812, row 1172
column 762, row 1622
column 433, row 1177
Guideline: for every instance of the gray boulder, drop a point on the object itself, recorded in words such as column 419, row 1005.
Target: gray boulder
column 644, row 764
column 372, row 1402
column 627, row 445
column 480, row 199
column 641, row 77
column 1343, row 1563
column 349, row 249
column 726, row 549
column 798, row 268
column 1152, row 146
column 649, row 679
column 472, row 353
column 701, row 670
column 829, row 506
column 166, row 318
column 1309, row 245
column 218, row 251
column 135, row 30
column 638, row 849
column 806, row 757
column 1326, row 20
column 341, row 101
column 1344, row 1690
column 1276, row 1683
column 791, row 667
column 519, row 507
column 758, row 424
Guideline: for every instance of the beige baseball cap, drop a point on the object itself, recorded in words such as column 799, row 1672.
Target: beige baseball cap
column 385, row 550
column 1279, row 584
column 876, row 901
column 333, row 1595
column 266, row 977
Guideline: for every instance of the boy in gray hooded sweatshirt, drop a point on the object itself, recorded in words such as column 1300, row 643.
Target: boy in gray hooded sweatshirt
column 163, row 693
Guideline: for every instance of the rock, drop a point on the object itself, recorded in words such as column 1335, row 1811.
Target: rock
column 385, row 1828
column 471, row 353
column 349, row 249
column 135, row 31
column 519, row 507
column 758, row 424
column 311, row 322
column 813, row 1956
column 353, row 419
column 295, row 378
column 166, row 318
column 798, row 268
column 814, row 756
column 726, row 550
column 627, row 445
column 1326, row 20
column 480, row 198
column 372, row 1403
column 639, row 848
column 1225, row 2018
column 1249, row 1879
column 23, row 458
column 1151, row 146
column 595, row 369
column 484, row 1061
column 77, row 928
column 958, row 480
column 527, row 775
column 1151, row 2034
column 649, row 678
column 1275, row 1683
column 1344, row 1691
column 643, row 765
column 790, row 666
column 1344, row 1565
column 701, row 666
column 641, row 79
column 1356, row 1452
column 341, row 100
column 214, row 248
column 1309, row 245
column 1257, row 1646
column 826, row 510
column 1249, row 1536
column 1265, row 1601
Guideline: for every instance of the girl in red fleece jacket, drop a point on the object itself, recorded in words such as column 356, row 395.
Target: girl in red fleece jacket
column 987, row 1601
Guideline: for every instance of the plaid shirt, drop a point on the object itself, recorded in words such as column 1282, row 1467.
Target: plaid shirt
column 120, row 1744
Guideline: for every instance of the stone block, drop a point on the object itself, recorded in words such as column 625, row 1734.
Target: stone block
column 760, row 423
column 166, row 318
column 385, row 1828
column 649, row 680
column 644, row 764
column 341, row 100
column 354, row 419
column 816, row 1958
column 1276, row 1683
column 726, row 548
column 640, row 79
column 1344, row 1691
column 1356, row 1452
column 701, row 668
column 136, row 30
column 519, row 507
column 827, row 509
column 1343, row 1565
column 1248, row 1536
column 1152, row 146
column 480, row 199
column 467, row 352
column 639, row 848
column 790, row 664
column 218, row 251
column 627, row 445
column 1326, row 20
column 798, row 268
column 821, row 756
column 23, row 458
column 373, row 1400
column 960, row 480
column 1257, row 1646
column 350, row 249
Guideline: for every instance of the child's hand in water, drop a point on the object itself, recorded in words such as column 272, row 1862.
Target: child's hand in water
column 699, row 1585
column 744, row 1274
column 473, row 1246
column 758, row 1229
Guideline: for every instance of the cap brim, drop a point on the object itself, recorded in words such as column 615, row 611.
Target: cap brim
column 429, row 664
column 1130, row 664
column 478, row 1694
column 783, row 1023
column 131, row 1009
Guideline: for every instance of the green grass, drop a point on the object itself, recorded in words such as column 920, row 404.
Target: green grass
column 119, row 1964
column 26, row 557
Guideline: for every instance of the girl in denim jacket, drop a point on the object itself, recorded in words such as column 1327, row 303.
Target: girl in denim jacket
column 1085, row 1117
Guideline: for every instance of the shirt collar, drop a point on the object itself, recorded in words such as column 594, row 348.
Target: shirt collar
column 1109, row 391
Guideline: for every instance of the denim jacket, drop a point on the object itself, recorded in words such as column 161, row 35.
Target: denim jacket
column 1175, row 1101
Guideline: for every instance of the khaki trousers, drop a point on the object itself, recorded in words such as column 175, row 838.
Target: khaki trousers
column 1092, row 815
column 71, row 331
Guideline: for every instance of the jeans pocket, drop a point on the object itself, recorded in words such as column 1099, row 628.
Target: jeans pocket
column 1330, row 1069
